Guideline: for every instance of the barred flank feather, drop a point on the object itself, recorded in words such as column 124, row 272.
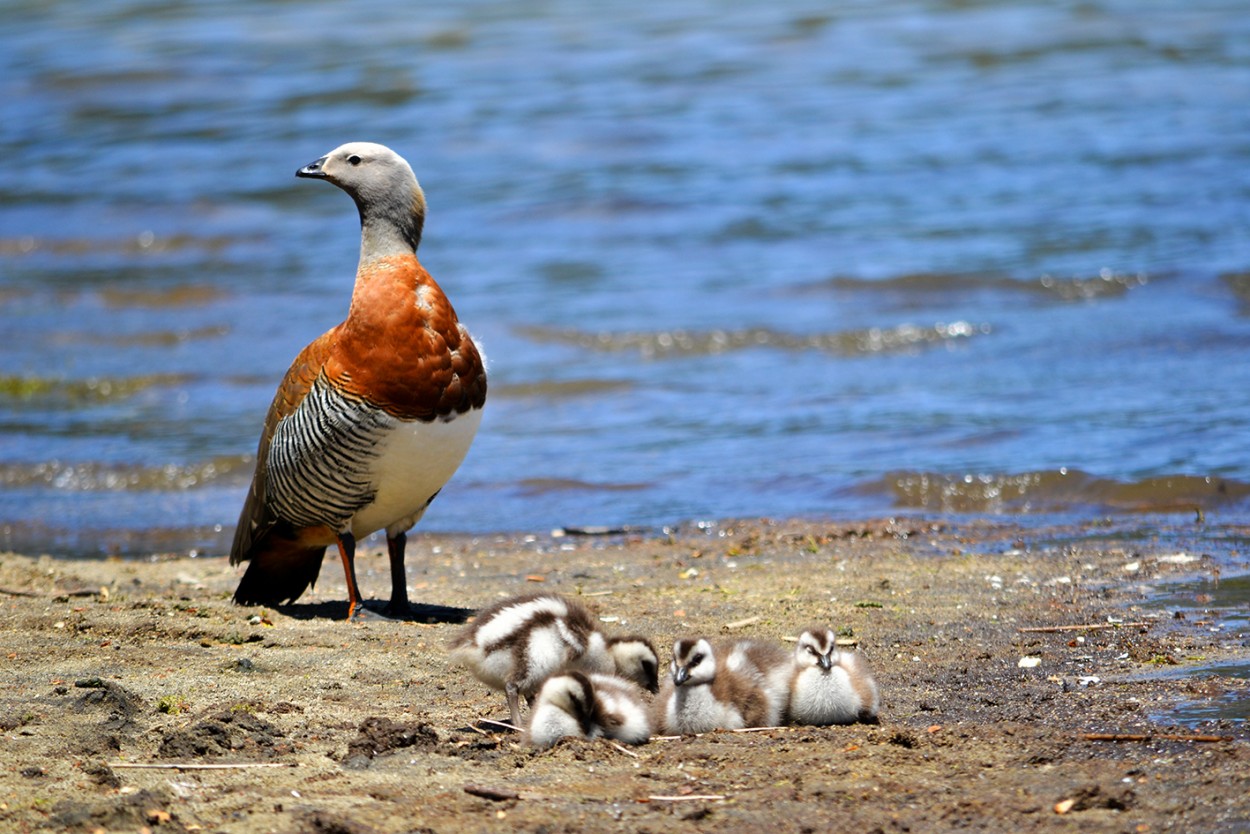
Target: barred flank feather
column 320, row 458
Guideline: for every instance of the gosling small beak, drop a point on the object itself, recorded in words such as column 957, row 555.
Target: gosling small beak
column 680, row 675
column 826, row 662
column 313, row 170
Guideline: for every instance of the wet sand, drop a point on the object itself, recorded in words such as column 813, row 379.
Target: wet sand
column 136, row 696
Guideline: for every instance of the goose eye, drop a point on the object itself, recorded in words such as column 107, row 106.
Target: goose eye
column 353, row 160
column 696, row 660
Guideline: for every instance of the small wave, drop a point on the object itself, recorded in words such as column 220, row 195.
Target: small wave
column 542, row 486
column 148, row 543
column 73, row 392
column 1239, row 283
column 112, row 477
column 152, row 298
column 670, row 343
column 1055, row 491
column 149, row 338
column 183, row 295
column 1106, row 284
column 915, row 282
column 146, row 242
column 549, row 388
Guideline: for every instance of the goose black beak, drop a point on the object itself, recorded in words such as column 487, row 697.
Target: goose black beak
column 313, row 170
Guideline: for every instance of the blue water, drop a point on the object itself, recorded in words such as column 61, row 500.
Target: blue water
column 727, row 258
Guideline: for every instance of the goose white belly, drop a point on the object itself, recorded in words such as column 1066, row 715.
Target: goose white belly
column 413, row 462
column 824, row 697
column 696, row 710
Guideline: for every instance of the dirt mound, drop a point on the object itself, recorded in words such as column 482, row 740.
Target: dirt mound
column 237, row 733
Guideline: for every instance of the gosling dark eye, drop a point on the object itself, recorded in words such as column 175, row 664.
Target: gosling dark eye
column 696, row 660
column 353, row 160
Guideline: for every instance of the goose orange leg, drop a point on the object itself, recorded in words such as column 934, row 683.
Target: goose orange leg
column 347, row 552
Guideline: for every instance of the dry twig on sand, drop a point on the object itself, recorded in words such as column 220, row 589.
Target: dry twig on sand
column 1084, row 627
column 198, row 765
column 493, row 794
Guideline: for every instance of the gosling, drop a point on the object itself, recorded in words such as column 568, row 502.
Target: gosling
column 704, row 693
column 771, row 666
column 588, row 706
column 830, row 686
column 518, row 643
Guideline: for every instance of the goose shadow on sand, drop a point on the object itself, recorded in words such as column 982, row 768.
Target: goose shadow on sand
column 375, row 611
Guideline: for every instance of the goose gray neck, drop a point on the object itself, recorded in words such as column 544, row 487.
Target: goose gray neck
column 390, row 224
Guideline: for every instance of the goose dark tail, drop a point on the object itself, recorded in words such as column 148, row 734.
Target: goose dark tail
column 279, row 571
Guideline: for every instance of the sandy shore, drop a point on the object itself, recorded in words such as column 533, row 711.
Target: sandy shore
column 114, row 667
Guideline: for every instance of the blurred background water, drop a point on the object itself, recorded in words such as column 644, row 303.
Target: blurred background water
column 727, row 258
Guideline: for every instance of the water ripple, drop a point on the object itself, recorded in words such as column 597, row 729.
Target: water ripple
column 547, row 389
column 112, row 477
column 1106, row 284
column 543, row 486
column 1239, row 283
column 675, row 343
column 144, row 243
column 150, row 338
column 77, row 392
column 1055, row 491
